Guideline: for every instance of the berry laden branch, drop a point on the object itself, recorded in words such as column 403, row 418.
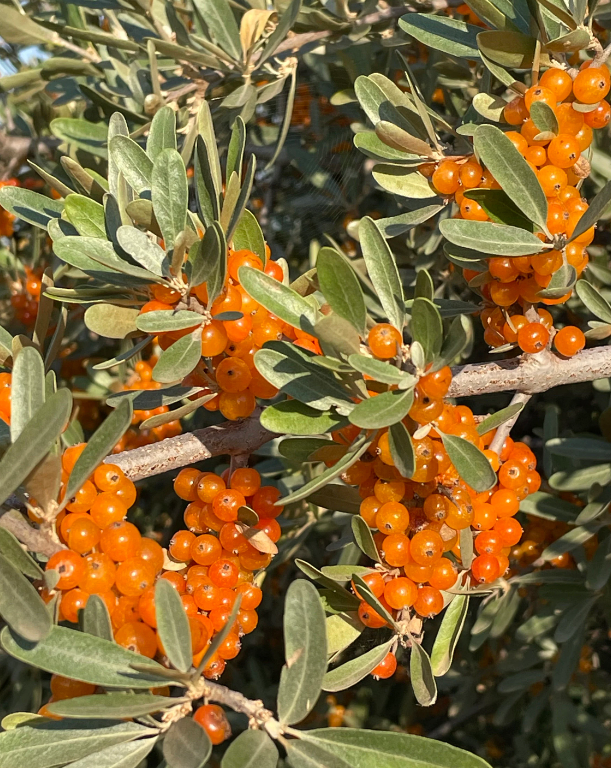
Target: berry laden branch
column 527, row 374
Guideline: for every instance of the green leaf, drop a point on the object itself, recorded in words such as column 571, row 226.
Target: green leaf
column 222, row 25
column 81, row 657
column 19, row 29
column 383, row 271
column 149, row 399
column 599, row 567
column 353, row 671
column 500, row 417
column 47, row 744
column 208, row 193
column 562, row 281
column 575, row 480
column 214, row 247
column 338, row 337
column 91, row 137
column 20, row 604
column 164, row 320
column 405, row 182
column 381, row 371
column 85, row 215
column 341, row 287
column 186, row 745
column 574, row 538
column 98, row 258
column 402, row 449
column 442, row 33
column 490, row 238
column 112, row 706
column 373, row 749
column 301, row 449
column 279, row 34
column 382, row 410
column 513, row 50
column 170, row 194
column 544, row 117
column 304, row 754
column 180, row 359
column 372, row 146
column 143, row 250
column 358, row 449
column 573, row 619
column 512, row 172
column 593, row 300
column 580, row 448
column 290, row 417
column 394, row 226
column 173, row 625
column 133, row 162
column 549, row 507
column 110, row 320
column 248, row 235
column 99, row 446
column 337, row 496
column 448, row 635
column 305, row 644
column 252, row 749
column 34, row 442
column 162, row 134
column 470, row 462
column 30, row 206
column 128, row 755
column 426, row 327
column 500, row 207
column 421, row 675
column 278, row 298
column 293, row 371
column 15, row 554
column 95, row 618
column 28, row 389
column 597, row 209
column 364, row 538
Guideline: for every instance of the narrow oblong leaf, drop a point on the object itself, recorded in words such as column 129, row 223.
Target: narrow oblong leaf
column 512, row 172
column 126, row 755
column 471, row 464
column 14, row 553
column 143, row 250
column 162, row 133
column 173, row 625
column 426, row 327
column 305, row 643
column 278, row 298
column 490, row 238
column 170, row 194
column 381, row 371
column 27, row 389
column 448, row 635
column 95, row 618
column 81, row 657
column 291, row 417
column 442, row 33
column 500, row 417
column 186, row 745
column 34, row 442
column 99, row 446
column 372, row 749
column 164, row 320
column 593, row 300
column 382, row 410
column 350, row 673
column 252, row 749
column 112, row 706
column 595, row 210
column 133, row 162
column 383, row 271
column 341, row 287
column 32, row 207
column 364, row 538
column 20, row 604
column 180, row 359
column 402, row 449
column 248, row 235
column 221, row 22
column 421, row 675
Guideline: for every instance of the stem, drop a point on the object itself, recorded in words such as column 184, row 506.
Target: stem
column 503, row 431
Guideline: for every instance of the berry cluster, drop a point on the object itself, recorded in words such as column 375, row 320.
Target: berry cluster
column 227, row 368
column 106, row 555
column 418, row 520
column 142, row 378
column 512, row 284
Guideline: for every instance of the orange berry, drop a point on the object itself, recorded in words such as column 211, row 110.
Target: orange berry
column 386, row 668
column 400, row 593
column 558, row 81
column 264, row 501
column 65, row 688
column 214, row 339
column 120, row 541
column 237, row 405
column 205, row 549
column 485, row 569
column 384, row 341
column 233, row 375
column 369, row 617
column 515, row 113
column 444, row 574
column 138, row 637
column 599, row 117
column 108, row 477
column 185, row 484
column 592, row 84
column 569, row 340
column 540, row 93
column 99, row 574
column 426, row 547
column 563, row 151
column 242, row 258
column 107, row 508
column 552, row 179
column 134, row 576
column 429, row 602
column 69, row 565
column 446, row 177
column 83, row 535
column 72, row 602
column 227, row 503
column 533, row 337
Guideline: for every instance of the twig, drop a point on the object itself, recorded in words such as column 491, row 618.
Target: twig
column 34, row 539
column 503, row 431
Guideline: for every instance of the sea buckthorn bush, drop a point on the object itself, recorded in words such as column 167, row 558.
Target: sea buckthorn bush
column 304, row 385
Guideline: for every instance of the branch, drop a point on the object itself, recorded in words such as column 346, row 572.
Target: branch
column 233, row 438
column 530, row 374
column 527, row 375
column 34, row 539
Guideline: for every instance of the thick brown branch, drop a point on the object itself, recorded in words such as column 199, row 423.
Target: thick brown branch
column 34, row 539
column 232, row 438
column 528, row 374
